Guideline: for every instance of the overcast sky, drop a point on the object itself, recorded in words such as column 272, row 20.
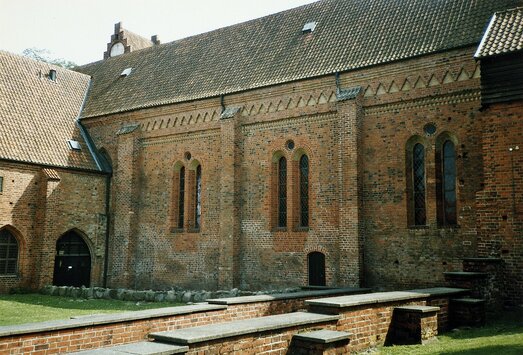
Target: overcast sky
column 78, row 30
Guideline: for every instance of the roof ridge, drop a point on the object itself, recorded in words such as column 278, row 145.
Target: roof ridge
column 519, row 8
column 202, row 34
column 273, row 49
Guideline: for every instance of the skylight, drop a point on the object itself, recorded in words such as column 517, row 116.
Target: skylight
column 52, row 75
column 309, row 27
column 126, row 72
column 74, row 145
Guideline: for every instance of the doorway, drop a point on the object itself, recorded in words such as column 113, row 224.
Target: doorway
column 316, row 262
column 72, row 265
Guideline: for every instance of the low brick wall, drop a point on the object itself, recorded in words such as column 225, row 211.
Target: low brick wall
column 92, row 332
column 96, row 336
column 443, row 313
column 368, row 324
column 369, row 317
column 299, row 347
column 274, row 342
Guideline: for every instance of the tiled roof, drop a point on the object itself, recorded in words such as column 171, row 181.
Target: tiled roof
column 136, row 41
column 349, row 34
column 38, row 115
column 504, row 34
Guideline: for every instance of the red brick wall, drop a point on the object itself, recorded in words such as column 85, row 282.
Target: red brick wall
column 396, row 254
column 18, row 208
column 90, row 337
column 500, row 204
column 443, row 313
column 369, row 324
column 38, row 210
column 358, row 181
column 273, row 342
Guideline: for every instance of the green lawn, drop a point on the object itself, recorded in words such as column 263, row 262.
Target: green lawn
column 28, row 308
column 503, row 335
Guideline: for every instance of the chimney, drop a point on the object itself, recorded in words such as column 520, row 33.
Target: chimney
column 155, row 39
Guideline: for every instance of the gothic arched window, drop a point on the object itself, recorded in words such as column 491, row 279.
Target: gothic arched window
column 181, row 197
column 418, row 185
column 304, row 191
column 446, row 184
column 198, row 198
column 282, row 192
column 8, row 253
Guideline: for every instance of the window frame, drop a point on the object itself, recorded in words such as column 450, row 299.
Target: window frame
column 443, row 172
column 282, row 187
column 419, row 186
column 4, row 261
column 304, row 191
column 197, row 222
column 180, row 223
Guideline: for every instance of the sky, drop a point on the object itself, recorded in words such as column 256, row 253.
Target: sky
column 79, row 30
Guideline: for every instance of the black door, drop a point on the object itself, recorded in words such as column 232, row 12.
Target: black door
column 72, row 264
column 316, row 269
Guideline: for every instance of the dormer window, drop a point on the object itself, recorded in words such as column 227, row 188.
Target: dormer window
column 309, row 27
column 74, row 145
column 52, row 75
column 126, row 72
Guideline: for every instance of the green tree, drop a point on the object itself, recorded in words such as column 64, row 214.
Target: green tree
column 44, row 55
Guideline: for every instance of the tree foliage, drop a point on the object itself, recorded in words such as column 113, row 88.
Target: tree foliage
column 44, row 55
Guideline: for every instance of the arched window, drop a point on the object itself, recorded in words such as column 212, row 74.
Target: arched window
column 416, row 182
column 282, row 192
column 446, row 184
column 304, row 191
column 178, row 200
column 198, row 198
column 181, row 197
column 8, row 253
column 418, row 185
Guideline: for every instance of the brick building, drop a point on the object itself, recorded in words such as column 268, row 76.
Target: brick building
column 338, row 143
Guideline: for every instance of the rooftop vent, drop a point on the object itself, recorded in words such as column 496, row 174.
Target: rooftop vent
column 126, row 72
column 74, row 145
column 309, row 27
column 52, row 75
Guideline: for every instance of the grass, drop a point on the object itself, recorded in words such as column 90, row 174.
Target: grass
column 502, row 335
column 29, row 308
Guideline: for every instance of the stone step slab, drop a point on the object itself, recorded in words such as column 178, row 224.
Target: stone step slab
column 235, row 328
column 323, row 336
column 141, row 348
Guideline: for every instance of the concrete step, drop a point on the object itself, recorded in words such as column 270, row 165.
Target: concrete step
column 483, row 260
column 323, row 336
column 467, row 312
column 467, row 300
column 317, row 292
column 141, row 348
column 465, row 275
column 210, row 332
